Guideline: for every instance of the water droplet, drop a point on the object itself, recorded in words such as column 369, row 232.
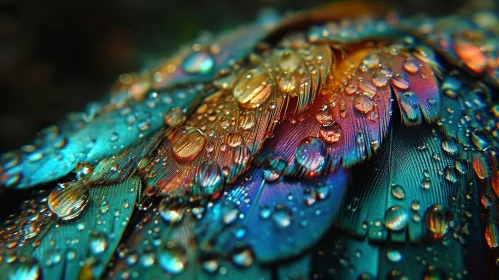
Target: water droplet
column 398, row 191
column 282, row 216
column 450, row 174
column 201, row 62
column 438, row 218
column 265, row 212
column 273, row 168
column 171, row 209
column 480, row 166
column 492, row 235
column 98, row 243
column 480, row 139
column 175, row 117
column 371, row 60
column 210, row 265
column 331, row 132
column 28, row 270
column 311, row 154
column 241, row 155
column 379, row 79
column 351, row 88
column 289, row 61
column 253, row 88
column 400, row 81
column 393, row 255
column 450, row 145
column 247, row 120
column 425, row 183
column 172, row 257
column 234, row 139
column 363, row 104
column 411, row 66
column 187, row 143
column 68, row 200
column 396, row 218
column 209, row 178
column 243, row 257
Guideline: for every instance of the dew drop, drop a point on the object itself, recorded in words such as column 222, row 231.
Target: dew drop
column 243, row 257
column 331, row 132
column 187, row 143
column 234, row 139
column 253, row 88
column 379, row 79
column 282, row 216
column 438, row 218
column 209, row 177
column 28, row 270
column 411, row 66
column 68, row 200
column 393, row 255
column 363, row 104
column 311, row 154
column 98, row 243
column 426, row 183
column 241, row 155
column 400, row 81
column 492, row 235
column 396, row 218
column 450, row 145
column 273, row 168
column 247, row 120
column 171, row 209
column 172, row 257
column 201, row 62
column 174, row 117
column 398, row 191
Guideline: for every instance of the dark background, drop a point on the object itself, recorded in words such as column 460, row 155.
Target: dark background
column 57, row 55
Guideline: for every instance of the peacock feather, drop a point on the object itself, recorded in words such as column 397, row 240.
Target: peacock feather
column 339, row 143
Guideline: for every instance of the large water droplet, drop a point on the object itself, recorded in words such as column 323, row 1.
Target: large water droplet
column 311, row 154
column 253, row 88
column 396, row 218
column 411, row 66
column 363, row 104
column 201, row 62
column 379, row 79
column 171, row 209
column 273, row 168
column 438, row 218
column 187, row 143
column 68, row 200
column 172, row 257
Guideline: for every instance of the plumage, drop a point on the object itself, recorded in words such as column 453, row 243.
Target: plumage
column 334, row 144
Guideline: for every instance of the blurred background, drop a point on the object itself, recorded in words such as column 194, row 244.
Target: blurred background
column 57, row 55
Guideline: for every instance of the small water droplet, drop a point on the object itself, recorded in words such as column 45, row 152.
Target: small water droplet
column 331, row 132
column 282, row 216
column 379, row 79
column 400, row 81
column 425, row 183
column 247, row 120
column 175, row 117
column 243, row 257
column 450, row 145
column 394, row 255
